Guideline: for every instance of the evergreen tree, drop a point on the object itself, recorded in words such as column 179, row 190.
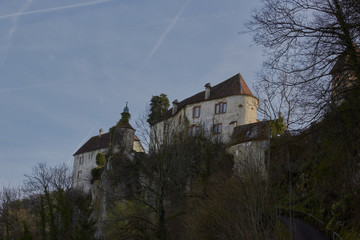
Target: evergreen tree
column 159, row 105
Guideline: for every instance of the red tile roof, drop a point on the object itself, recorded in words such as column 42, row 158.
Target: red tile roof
column 96, row 143
column 232, row 86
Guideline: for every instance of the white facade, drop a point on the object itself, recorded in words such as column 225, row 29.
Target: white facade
column 215, row 115
column 249, row 154
column 240, row 110
column 83, row 164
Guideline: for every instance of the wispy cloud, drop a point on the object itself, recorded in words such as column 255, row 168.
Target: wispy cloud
column 163, row 36
column 9, row 36
column 70, row 159
column 31, row 86
column 54, row 9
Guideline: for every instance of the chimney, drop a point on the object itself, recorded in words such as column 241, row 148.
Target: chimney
column 207, row 90
column 175, row 106
column 100, row 132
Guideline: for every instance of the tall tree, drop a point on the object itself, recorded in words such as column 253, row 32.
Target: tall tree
column 159, row 105
column 304, row 39
column 39, row 183
column 60, row 211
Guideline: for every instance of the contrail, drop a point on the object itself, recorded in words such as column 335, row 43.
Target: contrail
column 54, row 9
column 163, row 35
column 29, row 87
column 12, row 31
column 167, row 30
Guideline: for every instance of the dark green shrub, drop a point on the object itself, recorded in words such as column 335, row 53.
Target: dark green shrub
column 96, row 173
column 100, row 159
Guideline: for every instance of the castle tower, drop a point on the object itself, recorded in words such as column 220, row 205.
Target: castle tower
column 123, row 134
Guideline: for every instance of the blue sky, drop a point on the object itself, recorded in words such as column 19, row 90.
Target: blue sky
column 68, row 67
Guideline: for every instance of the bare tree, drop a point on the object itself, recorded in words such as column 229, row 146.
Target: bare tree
column 165, row 176
column 39, row 184
column 241, row 207
column 281, row 101
column 304, row 39
column 58, row 209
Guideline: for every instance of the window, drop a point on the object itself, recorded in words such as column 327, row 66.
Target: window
column 196, row 112
column 179, row 121
column 79, row 174
column 194, row 130
column 220, row 107
column 81, row 160
column 166, row 127
column 217, row 128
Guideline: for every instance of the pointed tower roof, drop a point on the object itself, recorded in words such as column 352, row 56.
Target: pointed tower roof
column 125, row 116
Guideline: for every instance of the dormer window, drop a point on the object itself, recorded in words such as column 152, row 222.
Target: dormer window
column 220, row 107
column 196, row 112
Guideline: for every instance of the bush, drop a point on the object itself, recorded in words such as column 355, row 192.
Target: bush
column 100, row 159
column 96, row 173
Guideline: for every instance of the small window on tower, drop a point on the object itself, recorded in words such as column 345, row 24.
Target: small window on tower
column 79, row 174
column 166, row 127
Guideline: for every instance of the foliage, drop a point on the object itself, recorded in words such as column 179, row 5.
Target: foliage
column 127, row 220
column 85, row 225
column 27, row 234
column 240, row 207
column 277, row 126
column 100, row 159
column 157, row 209
column 96, row 173
column 317, row 171
column 159, row 105
column 125, row 117
column 45, row 208
column 111, row 131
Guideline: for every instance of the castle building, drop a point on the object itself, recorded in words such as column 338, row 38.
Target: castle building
column 249, row 143
column 85, row 156
column 218, row 110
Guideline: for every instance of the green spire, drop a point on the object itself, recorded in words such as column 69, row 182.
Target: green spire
column 125, row 115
